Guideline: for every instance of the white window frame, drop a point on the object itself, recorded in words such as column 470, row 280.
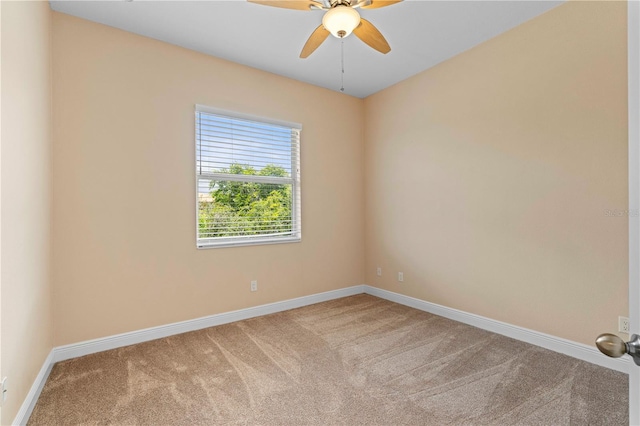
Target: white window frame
column 294, row 180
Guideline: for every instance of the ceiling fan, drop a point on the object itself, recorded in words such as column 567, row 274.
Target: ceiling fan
column 340, row 19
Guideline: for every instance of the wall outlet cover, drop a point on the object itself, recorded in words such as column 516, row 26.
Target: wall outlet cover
column 623, row 325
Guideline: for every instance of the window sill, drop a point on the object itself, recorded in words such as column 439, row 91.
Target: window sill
column 252, row 242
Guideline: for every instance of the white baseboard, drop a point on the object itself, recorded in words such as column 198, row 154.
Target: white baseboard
column 75, row 350
column 556, row 344
column 34, row 393
column 61, row 353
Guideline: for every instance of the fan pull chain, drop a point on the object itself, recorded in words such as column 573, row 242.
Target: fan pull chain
column 342, row 62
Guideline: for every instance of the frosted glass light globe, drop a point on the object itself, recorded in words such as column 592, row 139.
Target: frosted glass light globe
column 341, row 21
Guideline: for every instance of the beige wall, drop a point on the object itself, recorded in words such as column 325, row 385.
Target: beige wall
column 123, row 206
column 0, row 202
column 26, row 193
column 487, row 180
column 487, row 177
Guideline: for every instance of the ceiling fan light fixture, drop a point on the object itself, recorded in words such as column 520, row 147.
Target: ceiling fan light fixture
column 341, row 21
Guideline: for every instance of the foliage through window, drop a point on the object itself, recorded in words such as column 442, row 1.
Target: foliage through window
column 248, row 179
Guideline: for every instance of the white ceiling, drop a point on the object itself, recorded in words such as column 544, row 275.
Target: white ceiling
column 421, row 34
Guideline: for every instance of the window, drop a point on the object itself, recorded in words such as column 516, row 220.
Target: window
column 247, row 178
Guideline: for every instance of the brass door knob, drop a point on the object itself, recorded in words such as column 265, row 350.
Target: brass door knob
column 613, row 346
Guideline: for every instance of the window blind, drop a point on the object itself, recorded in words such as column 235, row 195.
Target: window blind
column 248, row 180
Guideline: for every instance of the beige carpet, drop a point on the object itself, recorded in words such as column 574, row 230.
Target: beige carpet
column 352, row 361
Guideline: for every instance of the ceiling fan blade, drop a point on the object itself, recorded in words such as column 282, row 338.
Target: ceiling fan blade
column 290, row 4
column 375, row 4
column 371, row 36
column 315, row 39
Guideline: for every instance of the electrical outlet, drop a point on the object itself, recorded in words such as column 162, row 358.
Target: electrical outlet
column 400, row 276
column 623, row 325
column 3, row 389
column 254, row 285
column 379, row 271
